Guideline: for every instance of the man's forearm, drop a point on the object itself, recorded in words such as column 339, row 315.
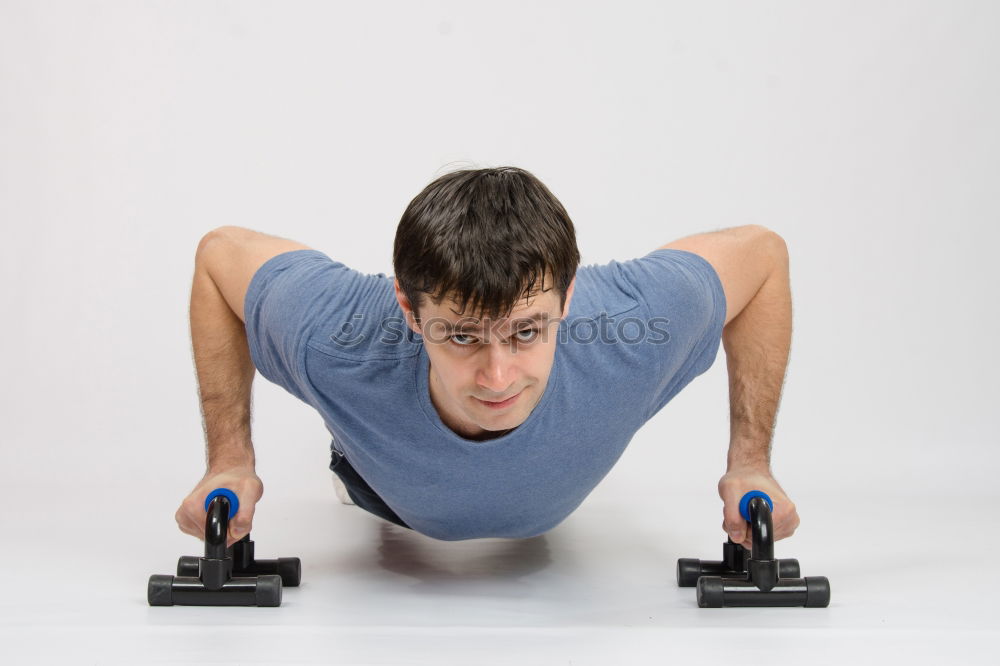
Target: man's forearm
column 225, row 373
column 757, row 342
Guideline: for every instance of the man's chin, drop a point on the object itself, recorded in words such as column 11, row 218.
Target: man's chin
column 507, row 422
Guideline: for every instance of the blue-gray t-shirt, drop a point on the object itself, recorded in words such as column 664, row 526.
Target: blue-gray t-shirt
column 637, row 332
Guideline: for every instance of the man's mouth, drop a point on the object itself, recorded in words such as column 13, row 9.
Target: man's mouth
column 501, row 403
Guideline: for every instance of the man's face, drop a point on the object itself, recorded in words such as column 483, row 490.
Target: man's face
column 477, row 366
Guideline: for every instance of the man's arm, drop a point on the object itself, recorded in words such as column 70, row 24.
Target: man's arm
column 225, row 262
column 752, row 264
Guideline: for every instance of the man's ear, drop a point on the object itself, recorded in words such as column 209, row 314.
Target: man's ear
column 406, row 307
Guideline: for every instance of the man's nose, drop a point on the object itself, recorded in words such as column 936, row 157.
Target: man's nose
column 497, row 374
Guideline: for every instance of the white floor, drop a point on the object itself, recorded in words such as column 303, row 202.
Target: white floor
column 910, row 579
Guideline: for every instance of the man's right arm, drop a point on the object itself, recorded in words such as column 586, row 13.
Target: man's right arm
column 225, row 263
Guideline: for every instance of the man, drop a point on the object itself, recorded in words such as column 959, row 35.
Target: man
column 489, row 386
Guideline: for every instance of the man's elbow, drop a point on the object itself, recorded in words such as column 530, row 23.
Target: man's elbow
column 773, row 241
column 778, row 247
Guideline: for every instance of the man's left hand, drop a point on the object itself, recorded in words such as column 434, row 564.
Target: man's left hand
column 739, row 481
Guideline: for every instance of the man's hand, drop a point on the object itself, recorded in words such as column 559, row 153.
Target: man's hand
column 739, row 481
column 243, row 481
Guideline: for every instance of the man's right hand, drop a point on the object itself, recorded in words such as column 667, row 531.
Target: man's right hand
column 241, row 480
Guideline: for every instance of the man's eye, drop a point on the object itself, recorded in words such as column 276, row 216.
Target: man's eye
column 533, row 332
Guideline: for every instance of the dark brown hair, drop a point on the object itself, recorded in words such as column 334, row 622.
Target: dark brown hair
column 485, row 237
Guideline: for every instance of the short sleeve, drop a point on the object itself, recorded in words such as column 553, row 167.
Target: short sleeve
column 289, row 299
column 683, row 296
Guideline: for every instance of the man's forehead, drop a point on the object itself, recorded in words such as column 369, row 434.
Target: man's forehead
column 524, row 306
column 532, row 309
column 539, row 292
column 470, row 323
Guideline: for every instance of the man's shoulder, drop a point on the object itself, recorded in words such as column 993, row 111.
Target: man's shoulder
column 601, row 289
column 368, row 326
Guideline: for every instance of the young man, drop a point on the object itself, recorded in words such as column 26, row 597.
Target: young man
column 488, row 386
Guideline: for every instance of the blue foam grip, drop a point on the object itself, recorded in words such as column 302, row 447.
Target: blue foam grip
column 234, row 502
column 745, row 503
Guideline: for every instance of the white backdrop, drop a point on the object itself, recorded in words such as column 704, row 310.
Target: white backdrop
column 865, row 133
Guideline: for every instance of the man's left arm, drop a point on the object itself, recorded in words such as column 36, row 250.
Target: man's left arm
column 752, row 264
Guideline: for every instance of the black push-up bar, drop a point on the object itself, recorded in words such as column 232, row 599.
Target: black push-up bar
column 224, row 576
column 755, row 578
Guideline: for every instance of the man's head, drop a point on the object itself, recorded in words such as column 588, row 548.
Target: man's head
column 475, row 252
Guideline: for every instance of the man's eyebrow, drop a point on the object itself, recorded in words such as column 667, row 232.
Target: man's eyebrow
column 470, row 326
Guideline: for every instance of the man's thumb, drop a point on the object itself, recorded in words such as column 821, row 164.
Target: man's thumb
column 238, row 528
column 735, row 526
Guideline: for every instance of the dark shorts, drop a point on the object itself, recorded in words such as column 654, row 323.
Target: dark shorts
column 360, row 491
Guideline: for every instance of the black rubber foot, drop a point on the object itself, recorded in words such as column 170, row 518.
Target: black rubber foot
column 817, row 592
column 159, row 590
column 710, row 592
column 789, row 568
column 290, row 570
column 268, row 590
column 688, row 571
